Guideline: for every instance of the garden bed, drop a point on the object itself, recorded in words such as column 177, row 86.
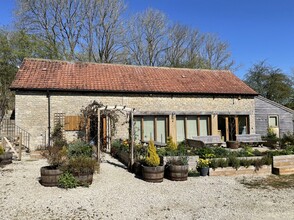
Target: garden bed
column 251, row 170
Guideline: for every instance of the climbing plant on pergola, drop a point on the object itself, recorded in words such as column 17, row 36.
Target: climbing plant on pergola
column 98, row 109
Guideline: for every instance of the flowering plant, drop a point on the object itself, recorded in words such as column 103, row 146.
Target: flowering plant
column 203, row 163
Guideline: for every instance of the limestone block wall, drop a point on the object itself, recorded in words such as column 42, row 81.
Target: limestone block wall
column 32, row 108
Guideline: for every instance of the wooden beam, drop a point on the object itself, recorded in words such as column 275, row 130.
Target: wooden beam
column 10, row 146
column 227, row 128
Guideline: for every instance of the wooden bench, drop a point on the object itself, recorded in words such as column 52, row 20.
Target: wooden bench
column 254, row 139
column 283, row 165
column 201, row 141
column 156, row 143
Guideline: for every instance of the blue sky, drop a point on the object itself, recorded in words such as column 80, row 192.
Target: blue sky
column 255, row 29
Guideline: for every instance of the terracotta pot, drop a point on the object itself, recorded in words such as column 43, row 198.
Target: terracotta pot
column 153, row 174
column 50, row 176
column 233, row 144
column 177, row 172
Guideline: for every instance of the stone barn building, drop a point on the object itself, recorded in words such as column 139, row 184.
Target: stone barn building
column 182, row 103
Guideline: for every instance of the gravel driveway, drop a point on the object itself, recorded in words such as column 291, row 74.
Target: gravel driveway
column 117, row 194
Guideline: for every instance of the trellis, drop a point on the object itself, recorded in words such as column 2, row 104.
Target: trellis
column 118, row 108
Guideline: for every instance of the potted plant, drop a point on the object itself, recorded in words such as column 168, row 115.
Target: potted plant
column 177, row 168
column 203, row 166
column 5, row 157
column 82, row 168
column 56, row 156
column 232, row 143
column 80, row 162
column 151, row 170
column 50, row 174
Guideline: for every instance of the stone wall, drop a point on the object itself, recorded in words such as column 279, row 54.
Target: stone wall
column 32, row 108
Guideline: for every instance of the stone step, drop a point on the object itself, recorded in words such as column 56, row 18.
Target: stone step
column 284, row 170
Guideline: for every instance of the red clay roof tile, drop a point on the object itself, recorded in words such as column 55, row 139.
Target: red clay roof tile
column 62, row 75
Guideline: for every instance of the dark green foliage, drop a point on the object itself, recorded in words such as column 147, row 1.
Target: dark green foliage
column 223, row 163
column 67, row 181
column 220, row 152
column 245, row 162
column 201, row 152
column 234, row 162
column 213, row 164
column 81, row 165
column 180, row 160
column 270, row 82
column 287, row 140
column 79, row 148
column 57, row 137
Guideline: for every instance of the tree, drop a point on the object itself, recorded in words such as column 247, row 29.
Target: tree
column 270, row 82
column 103, row 36
column 147, row 38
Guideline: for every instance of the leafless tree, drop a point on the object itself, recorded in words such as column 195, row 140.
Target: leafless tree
column 103, row 36
column 216, row 54
column 147, row 38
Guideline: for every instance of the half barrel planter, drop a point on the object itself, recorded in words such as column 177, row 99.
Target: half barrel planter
column 153, row 174
column 177, row 172
column 50, row 176
column 6, row 158
column 84, row 178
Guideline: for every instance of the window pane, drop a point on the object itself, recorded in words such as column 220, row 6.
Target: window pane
column 137, row 128
column 180, row 128
column 148, row 128
column 203, row 126
column 273, row 121
column 160, row 126
column 191, row 126
column 242, row 124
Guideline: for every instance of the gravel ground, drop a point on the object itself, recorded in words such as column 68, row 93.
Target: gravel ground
column 117, row 194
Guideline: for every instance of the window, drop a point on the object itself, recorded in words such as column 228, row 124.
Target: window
column 151, row 128
column 191, row 126
column 273, row 121
column 243, row 122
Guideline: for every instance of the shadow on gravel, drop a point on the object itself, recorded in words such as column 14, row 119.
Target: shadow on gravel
column 117, row 165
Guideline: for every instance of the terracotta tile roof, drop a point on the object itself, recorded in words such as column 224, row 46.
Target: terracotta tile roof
column 38, row 74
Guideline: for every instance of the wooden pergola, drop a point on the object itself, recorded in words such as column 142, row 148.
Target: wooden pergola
column 119, row 108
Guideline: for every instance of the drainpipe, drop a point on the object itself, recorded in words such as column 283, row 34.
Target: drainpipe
column 49, row 125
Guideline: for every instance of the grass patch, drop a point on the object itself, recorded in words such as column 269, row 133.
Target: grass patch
column 272, row 181
column 193, row 173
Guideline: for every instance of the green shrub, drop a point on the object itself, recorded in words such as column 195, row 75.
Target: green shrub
column 81, row 165
column 2, row 150
column 67, row 181
column 201, row 152
column 245, row 162
column 79, row 148
column 267, row 160
column 152, row 158
column 223, row 163
column 57, row 136
column 214, row 164
column 287, row 139
column 234, row 162
column 221, row 152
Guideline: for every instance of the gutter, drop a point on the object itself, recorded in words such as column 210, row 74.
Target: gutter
column 49, row 124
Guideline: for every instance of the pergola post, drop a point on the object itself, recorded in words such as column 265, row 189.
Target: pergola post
column 132, row 138
column 98, row 135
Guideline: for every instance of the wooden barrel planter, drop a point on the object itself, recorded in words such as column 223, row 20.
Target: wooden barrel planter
column 177, row 172
column 153, row 174
column 6, row 158
column 84, row 178
column 50, row 176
